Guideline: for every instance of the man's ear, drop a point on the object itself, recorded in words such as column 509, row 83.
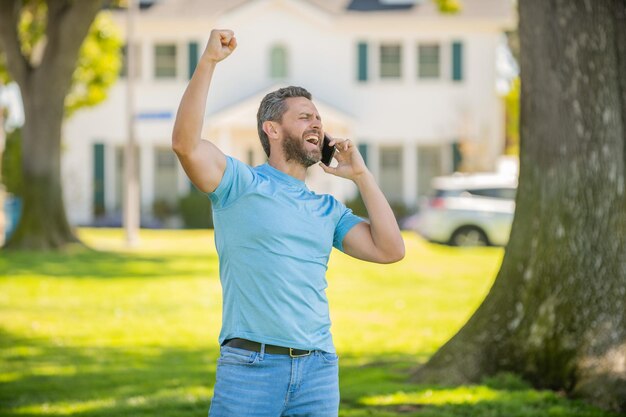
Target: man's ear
column 271, row 129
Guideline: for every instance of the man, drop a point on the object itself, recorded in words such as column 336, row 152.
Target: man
column 274, row 238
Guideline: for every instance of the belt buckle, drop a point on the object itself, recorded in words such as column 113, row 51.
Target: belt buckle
column 308, row 352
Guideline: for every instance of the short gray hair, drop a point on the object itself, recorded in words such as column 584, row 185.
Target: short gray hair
column 273, row 107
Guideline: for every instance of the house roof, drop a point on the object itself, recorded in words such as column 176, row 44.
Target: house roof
column 338, row 8
column 197, row 8
column 377, row 5
column 420, row 8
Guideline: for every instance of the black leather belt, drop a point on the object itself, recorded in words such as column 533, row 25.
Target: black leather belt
column 256, row 347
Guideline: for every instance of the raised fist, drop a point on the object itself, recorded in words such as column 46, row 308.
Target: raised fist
column 221, row 43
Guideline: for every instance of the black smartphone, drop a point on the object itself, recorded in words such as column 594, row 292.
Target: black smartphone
column 327, row 151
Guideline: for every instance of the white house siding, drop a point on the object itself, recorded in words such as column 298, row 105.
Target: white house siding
column 409, row 113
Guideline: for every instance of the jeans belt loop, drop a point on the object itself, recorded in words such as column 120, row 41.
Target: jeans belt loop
column 262, row 353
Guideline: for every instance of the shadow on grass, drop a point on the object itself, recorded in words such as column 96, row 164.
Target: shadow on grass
column 38, row 377
column 98, row 264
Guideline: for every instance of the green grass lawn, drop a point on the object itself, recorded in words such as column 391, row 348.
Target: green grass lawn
column 134, row 332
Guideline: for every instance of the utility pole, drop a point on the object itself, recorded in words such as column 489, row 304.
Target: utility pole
column 131, row 200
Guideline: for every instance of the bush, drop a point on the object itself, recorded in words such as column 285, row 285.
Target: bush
column 357, row 206
column 195, row 209
column 12, row 163
column 506, row 381
column 162, row 209
column 400, row 210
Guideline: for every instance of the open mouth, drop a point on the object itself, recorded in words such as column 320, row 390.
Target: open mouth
column 314, row 139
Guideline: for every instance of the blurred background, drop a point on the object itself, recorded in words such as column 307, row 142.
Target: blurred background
column 423, row 92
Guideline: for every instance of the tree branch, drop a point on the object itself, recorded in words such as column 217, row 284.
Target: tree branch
column 67, row 27
column 18, row 66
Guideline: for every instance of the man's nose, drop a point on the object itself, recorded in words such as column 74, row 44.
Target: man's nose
column 316, row 124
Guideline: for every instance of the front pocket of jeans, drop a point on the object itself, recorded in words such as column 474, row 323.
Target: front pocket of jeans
column 235, row 356
column 329, row 357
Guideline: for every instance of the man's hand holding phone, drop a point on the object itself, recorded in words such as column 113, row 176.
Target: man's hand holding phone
column 328, row 151
column 350, row 163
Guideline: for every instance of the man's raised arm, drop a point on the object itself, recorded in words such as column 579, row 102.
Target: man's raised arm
column 203, row 162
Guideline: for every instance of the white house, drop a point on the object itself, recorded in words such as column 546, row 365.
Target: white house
column 409, row 85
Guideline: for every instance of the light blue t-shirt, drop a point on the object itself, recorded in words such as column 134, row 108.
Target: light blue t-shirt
column 274, row 237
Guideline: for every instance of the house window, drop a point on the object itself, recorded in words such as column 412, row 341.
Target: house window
column 390, row 61
column 119, row 181
column 165, row 159
column 165, row 176
column 165, row 61
column 391, row 173
column 390, row 158
column 430, row 164
column 136, row 63
column 278, row 62
column 428, row 64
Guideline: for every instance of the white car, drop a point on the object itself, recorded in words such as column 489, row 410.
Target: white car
column 469, row 210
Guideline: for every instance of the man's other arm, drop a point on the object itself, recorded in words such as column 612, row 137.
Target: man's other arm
column 380, row 240
column 203, row 162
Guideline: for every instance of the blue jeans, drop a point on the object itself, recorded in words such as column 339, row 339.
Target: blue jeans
column 259, row 384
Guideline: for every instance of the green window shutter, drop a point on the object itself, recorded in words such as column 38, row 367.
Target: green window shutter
column 98, row 179
column 362, row 147
column 362, row 61
column 193, row 57
column 124, row 66
column 457, row 156
column 457, row 61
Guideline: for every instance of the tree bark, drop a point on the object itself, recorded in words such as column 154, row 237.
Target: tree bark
column 556, row 313
column 43, row 223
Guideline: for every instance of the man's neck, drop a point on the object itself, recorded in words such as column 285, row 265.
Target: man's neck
column 288, row 167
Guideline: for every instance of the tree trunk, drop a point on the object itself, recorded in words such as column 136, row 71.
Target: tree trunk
column 557, row 311
column 43, row 224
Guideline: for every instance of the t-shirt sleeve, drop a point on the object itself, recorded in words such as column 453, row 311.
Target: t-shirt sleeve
column 347, row 221
column 236, row 180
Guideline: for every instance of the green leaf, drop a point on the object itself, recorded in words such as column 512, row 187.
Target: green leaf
column 5, row 78
column 449, row 6
column 12, row 163
column 98, row 65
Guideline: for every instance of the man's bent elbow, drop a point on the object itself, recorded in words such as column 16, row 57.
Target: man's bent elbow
column 180, row 146
column 399, row 255
column 396, row 255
